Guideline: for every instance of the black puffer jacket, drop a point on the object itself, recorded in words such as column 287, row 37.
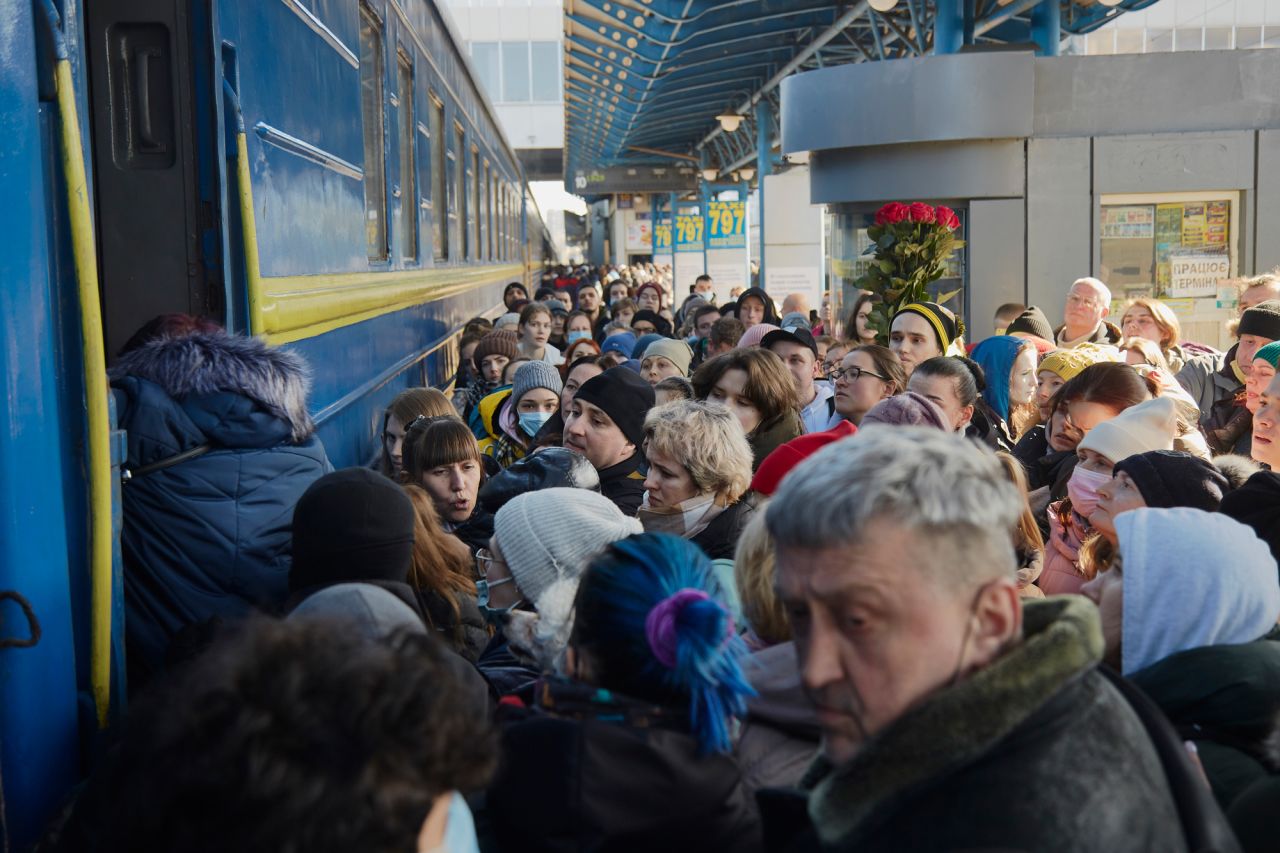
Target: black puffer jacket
column 1224, row 698
column 720, row 538
column 585, row 769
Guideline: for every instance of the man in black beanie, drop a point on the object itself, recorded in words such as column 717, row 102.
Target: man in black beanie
column 1257, row 504
column 1033, row 322
column 606, row 425
column 1216, row 382
column 352, row 526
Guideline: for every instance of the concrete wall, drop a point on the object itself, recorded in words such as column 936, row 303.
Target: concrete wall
column 1033, row 172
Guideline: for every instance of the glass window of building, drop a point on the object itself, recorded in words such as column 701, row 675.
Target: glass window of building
column 1217, row 38
column 1177, row 247
column 1130, row 41
column 1248, row 37
column 408, row 160
column 515, row 71
column 1188, row 39
column 371, row 109
column 1159, row 41
column 847, row 259
column 484, row 57
column 544, row 70
column 439, row 194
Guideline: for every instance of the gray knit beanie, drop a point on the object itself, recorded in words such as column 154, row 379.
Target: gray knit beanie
column 535, row 374
column 547, row 538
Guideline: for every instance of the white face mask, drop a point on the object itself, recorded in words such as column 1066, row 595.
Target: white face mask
column 459, row 831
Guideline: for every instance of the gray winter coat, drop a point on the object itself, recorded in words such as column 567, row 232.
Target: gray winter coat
column 1213, row 386
column 779, row 738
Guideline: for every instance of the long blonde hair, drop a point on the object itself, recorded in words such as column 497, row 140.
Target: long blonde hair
column 754, row 567
column 441, row 562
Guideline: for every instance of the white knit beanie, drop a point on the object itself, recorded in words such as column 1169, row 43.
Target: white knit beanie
column 547, row 538
column 1150, row 425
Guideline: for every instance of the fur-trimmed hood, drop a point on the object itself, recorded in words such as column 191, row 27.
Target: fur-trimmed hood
column 276, row 379
column 955, row 727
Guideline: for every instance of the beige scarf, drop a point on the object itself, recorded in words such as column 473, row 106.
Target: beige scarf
column 686, row 519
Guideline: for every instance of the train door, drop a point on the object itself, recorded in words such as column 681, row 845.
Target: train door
column 153, row 164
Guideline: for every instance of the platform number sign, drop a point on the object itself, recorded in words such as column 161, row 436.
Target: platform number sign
column 689, row 229
column 726, row 225
column 662, row 237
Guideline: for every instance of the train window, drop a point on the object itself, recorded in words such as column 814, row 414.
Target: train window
column 460, row 167
column 408, row 162
column 371, row 108
column 439, row 193
column 474, row 188
column 489, row 219
column 483, row 250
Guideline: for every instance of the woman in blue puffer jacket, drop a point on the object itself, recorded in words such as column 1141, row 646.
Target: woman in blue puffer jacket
column 220, row 448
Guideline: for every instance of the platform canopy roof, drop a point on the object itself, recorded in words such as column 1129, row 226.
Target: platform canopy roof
column 645, row 80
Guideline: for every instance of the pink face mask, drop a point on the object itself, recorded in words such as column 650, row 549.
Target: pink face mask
column 1082, row 488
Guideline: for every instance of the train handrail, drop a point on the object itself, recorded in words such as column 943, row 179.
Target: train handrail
column 248, row 221
column 84, row 253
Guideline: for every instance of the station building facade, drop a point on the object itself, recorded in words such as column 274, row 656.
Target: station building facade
column 1144, row 170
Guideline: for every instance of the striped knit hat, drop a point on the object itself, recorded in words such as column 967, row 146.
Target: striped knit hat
column 944, row 323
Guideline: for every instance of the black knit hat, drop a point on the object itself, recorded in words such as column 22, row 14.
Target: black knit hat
column 351, row 525
column 661, row 324
column 1167, row 478
column 623, row 396
column 1262, row 320
column 1032, row 322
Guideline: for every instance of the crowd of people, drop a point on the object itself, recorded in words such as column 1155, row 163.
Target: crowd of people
column 663, row 573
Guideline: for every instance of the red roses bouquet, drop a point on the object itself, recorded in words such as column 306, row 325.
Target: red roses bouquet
column 911, row 244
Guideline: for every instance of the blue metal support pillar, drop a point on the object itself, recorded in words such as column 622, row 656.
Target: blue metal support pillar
column 948, row 27
column 1046, row 27
column 704, row 196
column 970, row 20
column 764, row 160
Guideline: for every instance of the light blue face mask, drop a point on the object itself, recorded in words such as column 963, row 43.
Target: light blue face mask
column 577, row 335
column 531, row 422
column 459, row 830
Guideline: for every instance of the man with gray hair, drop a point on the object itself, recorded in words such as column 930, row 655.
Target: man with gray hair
column 1084, row 317
column 954, row 715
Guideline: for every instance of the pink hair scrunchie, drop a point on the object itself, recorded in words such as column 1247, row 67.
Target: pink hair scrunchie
column 660, row 624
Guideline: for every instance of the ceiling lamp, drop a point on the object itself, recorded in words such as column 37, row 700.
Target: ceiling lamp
column 729, row 122
column 746, row 173
column 710, row 175
column 1109, row 3
column 882, row 5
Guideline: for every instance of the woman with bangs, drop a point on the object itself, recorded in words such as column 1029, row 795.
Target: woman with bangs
column 699, row 473
column 756, row 386
column 443, row 457
column 405, row 408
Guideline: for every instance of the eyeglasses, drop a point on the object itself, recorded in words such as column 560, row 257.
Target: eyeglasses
column 1084, row 301
column 854, row 374
column 484, row 559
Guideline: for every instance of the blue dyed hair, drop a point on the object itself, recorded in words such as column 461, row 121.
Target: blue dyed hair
column 615, row 597
column 996, row 356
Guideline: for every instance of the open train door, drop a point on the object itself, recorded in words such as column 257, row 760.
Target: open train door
column 155, row 162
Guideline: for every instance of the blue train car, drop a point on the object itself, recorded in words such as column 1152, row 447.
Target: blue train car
column 324, row 173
